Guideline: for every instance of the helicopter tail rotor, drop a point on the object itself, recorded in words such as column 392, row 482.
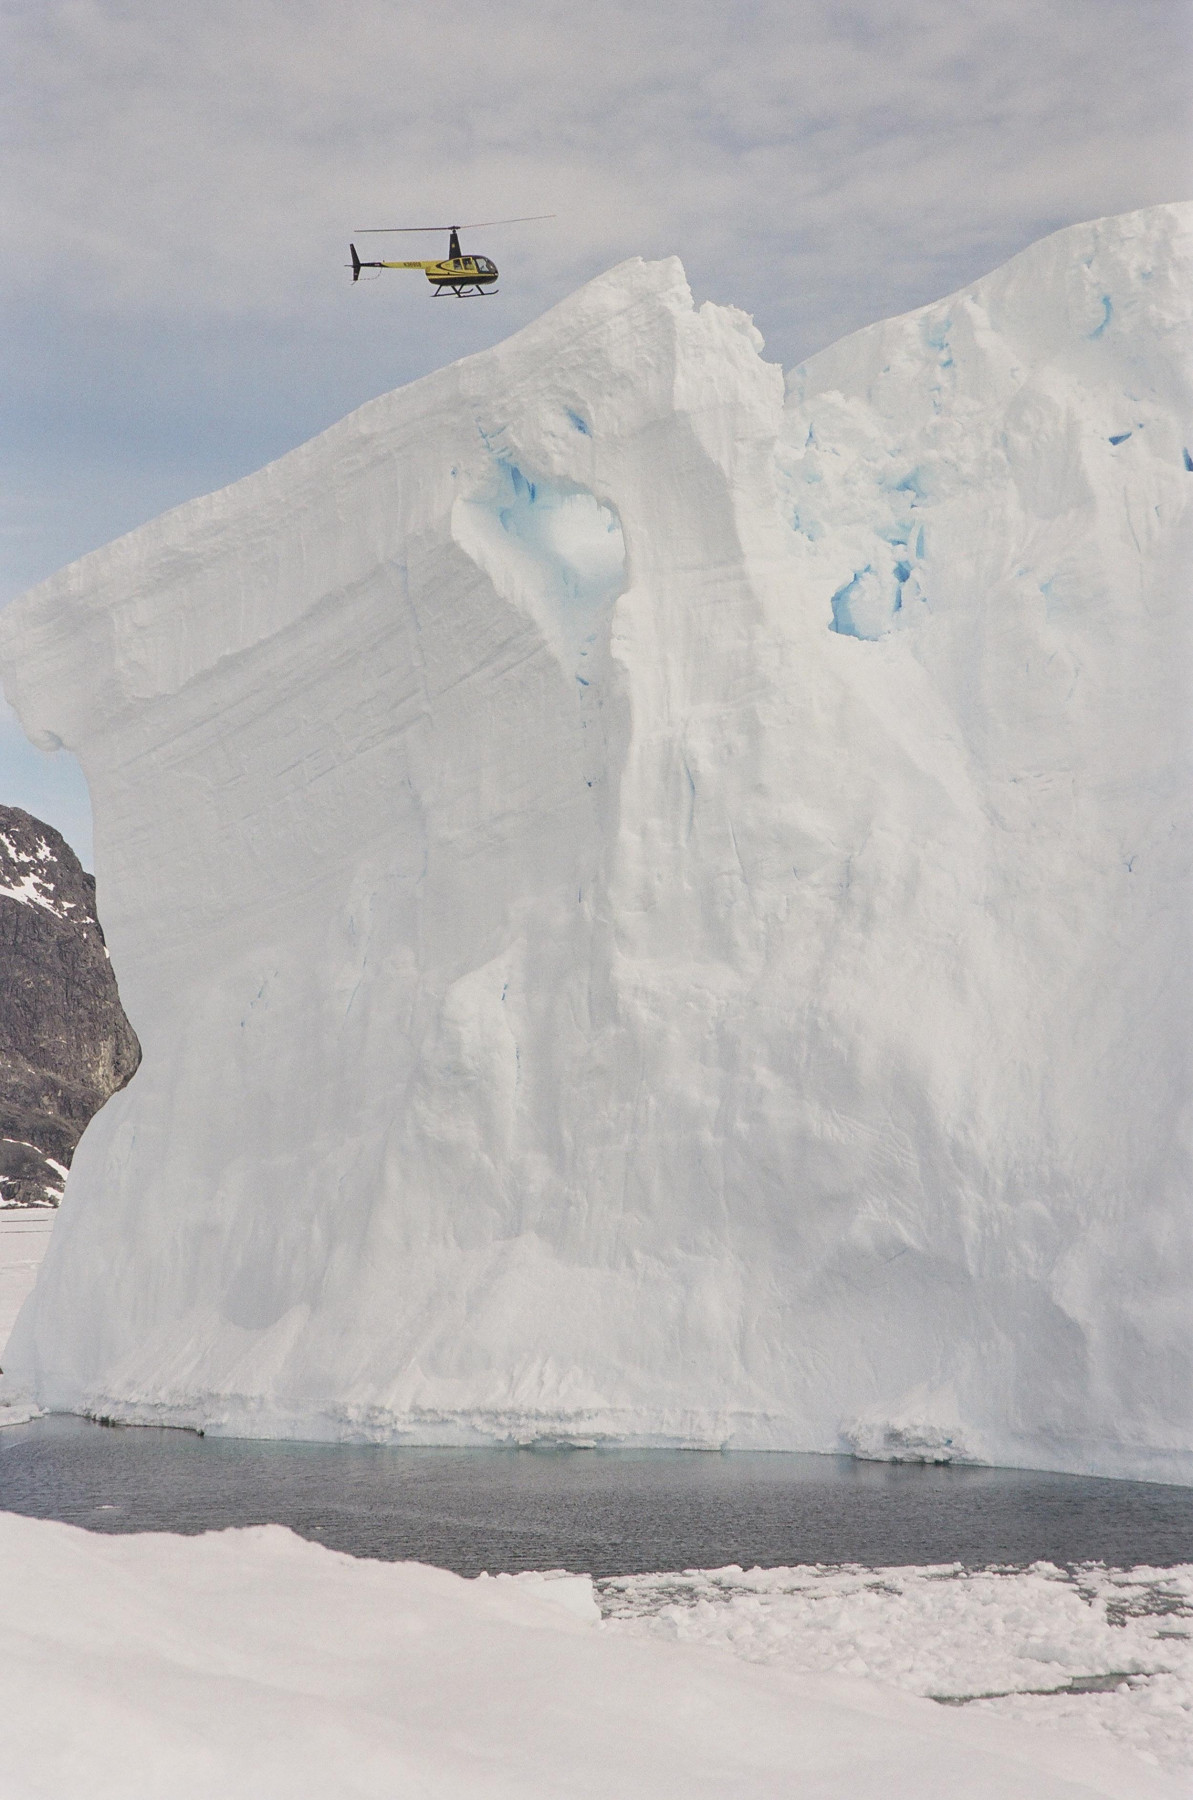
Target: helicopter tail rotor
column 355, row 263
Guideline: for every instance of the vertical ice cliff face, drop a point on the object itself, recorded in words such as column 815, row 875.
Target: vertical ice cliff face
column 656, row 909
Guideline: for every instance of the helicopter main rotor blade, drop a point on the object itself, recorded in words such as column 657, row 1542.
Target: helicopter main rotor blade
column 477, row 225
column 526, row 219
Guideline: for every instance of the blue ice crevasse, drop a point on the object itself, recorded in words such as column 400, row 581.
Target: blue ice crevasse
column 1107, row 315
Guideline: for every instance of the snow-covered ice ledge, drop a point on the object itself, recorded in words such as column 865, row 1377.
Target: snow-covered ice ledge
column 656, row 902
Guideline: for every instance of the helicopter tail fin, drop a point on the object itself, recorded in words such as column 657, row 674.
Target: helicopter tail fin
column 355, row 263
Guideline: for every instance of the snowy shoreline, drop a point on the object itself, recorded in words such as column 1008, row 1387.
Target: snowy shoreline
column 251, row 1662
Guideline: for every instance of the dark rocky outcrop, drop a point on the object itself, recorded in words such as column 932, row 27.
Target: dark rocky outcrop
column 65, row 1044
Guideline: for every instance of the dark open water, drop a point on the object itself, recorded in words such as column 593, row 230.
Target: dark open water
column 604, row 1512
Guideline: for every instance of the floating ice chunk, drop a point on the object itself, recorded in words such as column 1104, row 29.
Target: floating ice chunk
column 908, row 1441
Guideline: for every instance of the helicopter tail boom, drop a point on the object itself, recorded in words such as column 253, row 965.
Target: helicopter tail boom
column 357, row 264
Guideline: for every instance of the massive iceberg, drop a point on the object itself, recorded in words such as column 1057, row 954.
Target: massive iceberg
column 655, row 899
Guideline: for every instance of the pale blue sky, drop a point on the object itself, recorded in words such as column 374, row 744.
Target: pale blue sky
column 181, row 184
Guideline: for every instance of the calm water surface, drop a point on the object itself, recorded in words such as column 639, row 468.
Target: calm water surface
column 609, row 1512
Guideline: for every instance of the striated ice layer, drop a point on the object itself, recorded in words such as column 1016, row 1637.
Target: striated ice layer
column 656, row 905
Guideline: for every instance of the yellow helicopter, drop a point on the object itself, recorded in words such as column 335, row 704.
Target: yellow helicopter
column 467, row 277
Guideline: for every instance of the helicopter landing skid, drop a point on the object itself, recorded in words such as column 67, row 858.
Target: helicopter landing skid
column 463, row 293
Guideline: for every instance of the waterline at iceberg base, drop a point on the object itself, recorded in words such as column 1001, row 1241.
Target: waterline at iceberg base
column 655, row 900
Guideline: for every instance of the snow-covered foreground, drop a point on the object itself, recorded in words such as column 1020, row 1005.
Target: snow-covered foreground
column 251, row 1663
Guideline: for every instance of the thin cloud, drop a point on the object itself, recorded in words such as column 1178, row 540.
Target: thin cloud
column 182, row 184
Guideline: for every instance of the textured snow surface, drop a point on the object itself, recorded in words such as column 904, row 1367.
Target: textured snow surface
column 251, row 1663
column 656, row 904
column 1106, row 1652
